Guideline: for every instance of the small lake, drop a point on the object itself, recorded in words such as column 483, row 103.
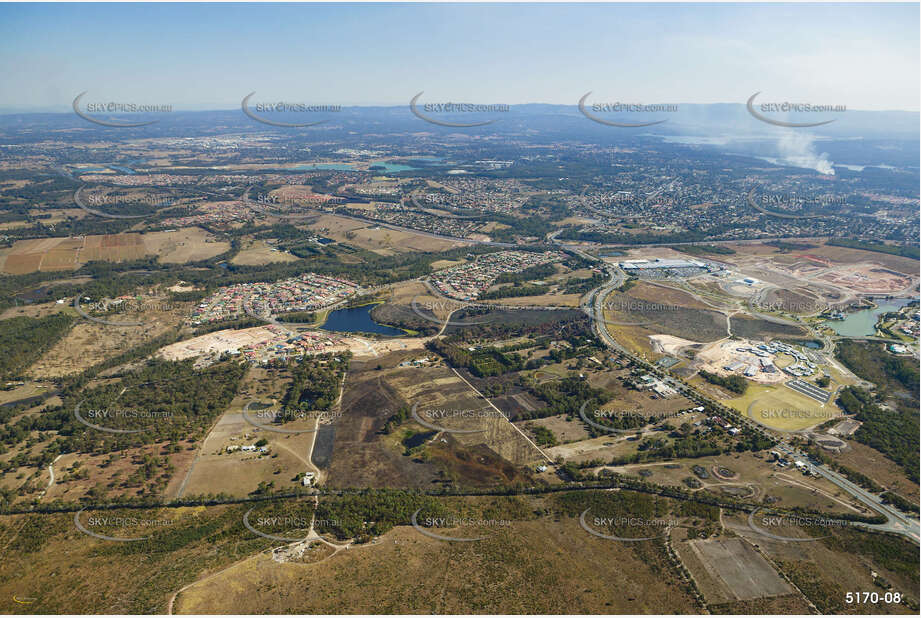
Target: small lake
column 863, row 323
column 337, row 167
column 391, row 168
column 357, row 320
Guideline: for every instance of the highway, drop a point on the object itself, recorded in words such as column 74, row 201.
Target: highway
column 898, row 522
column 593, row 305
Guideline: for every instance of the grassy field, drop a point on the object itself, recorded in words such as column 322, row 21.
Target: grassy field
column 257, row 253
column 88, row 343
column 238, row 473
column 755, row 479
column 782, row 408
column 184, row 245
column 376, row 238
column 58, row 570
column 538, row 566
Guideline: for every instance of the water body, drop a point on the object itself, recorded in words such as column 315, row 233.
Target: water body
column 863, row 323
column 338, row 167
column 391, row 168
column 357, row 320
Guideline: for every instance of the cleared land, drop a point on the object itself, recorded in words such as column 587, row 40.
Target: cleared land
column 54, row 254
column 257, row 253
column 739, row 571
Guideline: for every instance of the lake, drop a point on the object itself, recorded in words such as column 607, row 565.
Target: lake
column 391, row 168
column 863, row 323
column 338, row 167
column 357, row 320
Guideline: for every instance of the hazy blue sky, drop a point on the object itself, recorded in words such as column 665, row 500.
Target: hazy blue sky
column 211, row 55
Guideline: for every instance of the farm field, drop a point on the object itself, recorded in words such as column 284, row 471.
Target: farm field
column 257, row 253
column 57, row 254
column 184, row 245
column 375, row 237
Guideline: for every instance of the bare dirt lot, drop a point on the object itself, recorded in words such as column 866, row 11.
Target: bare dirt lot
column 737, row 570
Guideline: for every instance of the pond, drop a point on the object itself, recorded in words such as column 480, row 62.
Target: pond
column 863, row 323
column 357, row 320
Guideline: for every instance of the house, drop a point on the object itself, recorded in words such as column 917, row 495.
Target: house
column 307, row 479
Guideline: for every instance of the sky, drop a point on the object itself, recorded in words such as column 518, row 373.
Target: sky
column 209, row 56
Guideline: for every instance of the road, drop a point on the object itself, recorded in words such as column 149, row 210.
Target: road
column 898, row 522
column 50, row 476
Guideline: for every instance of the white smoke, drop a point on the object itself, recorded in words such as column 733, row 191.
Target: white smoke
column 798, row 149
